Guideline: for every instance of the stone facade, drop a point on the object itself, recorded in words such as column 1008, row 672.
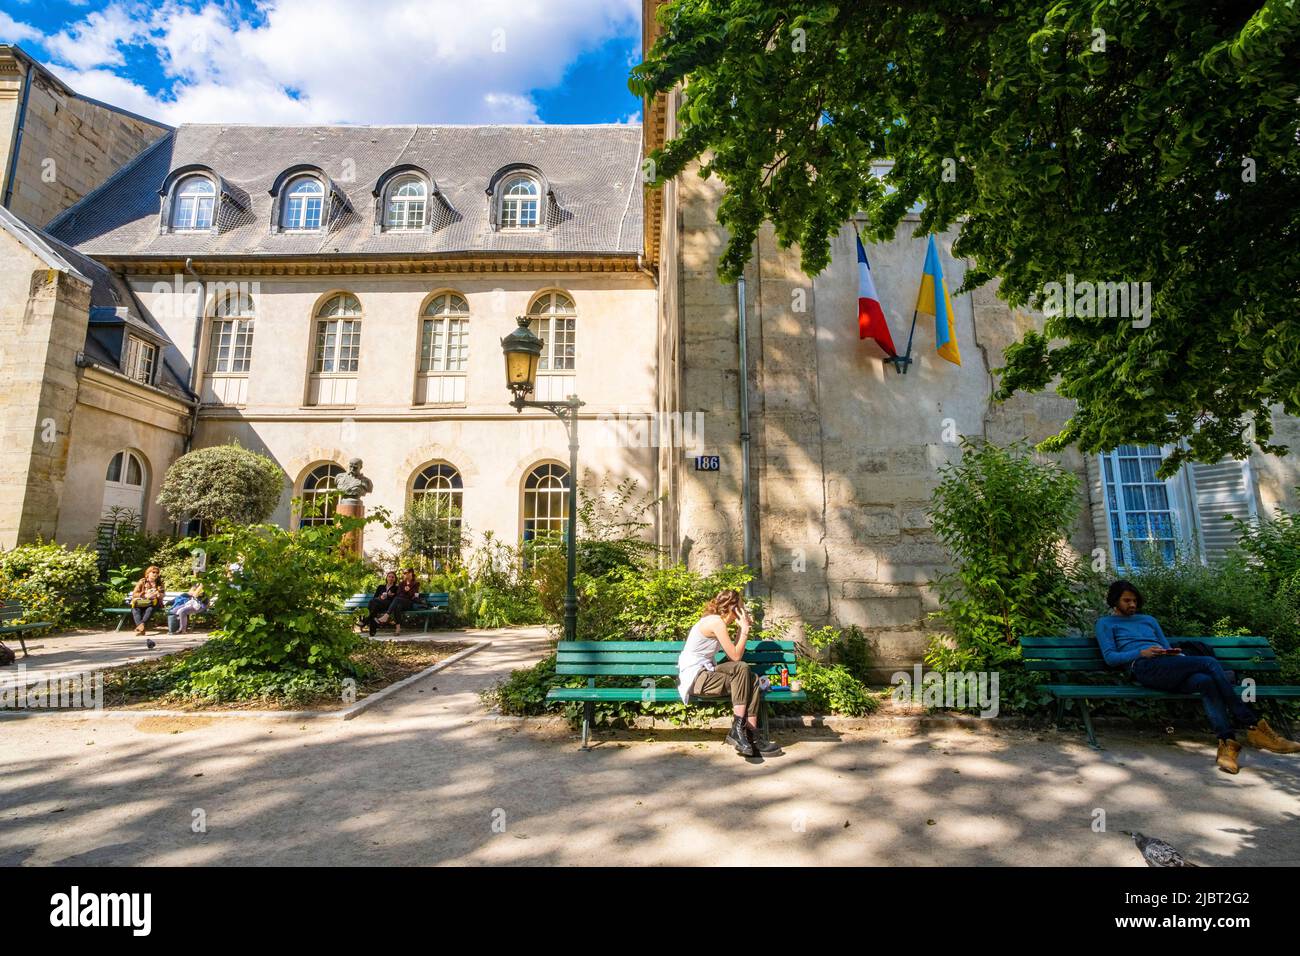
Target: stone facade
column 66, row 145
column 487, row 442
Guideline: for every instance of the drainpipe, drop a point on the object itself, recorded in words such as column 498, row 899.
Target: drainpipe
column 18, row 138
column 742, row 335
column 194, row 351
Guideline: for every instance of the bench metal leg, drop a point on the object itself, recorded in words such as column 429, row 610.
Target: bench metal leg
column 1087, row 723
column 588, row 718
column 121, row 619
column 22, row 644
column 763, row 715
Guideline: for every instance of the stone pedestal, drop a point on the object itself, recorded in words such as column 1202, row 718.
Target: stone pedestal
column 352, row 540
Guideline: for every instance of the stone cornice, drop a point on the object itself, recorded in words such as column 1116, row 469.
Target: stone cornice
column 335, row 264
column 653, row 125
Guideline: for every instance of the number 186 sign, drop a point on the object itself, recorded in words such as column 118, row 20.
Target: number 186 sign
column 707, row 463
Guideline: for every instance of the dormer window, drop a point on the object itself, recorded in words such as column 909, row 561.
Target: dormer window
column 140, row 359
column 407, row 201
column 520, row 202
column 194, row 204
column 304, row 198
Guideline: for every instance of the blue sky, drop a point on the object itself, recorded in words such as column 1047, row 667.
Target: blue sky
column 341, row 61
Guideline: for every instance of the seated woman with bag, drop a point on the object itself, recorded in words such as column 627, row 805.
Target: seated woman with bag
column 147, row 597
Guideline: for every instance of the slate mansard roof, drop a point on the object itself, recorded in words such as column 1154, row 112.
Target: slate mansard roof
column 593, row 174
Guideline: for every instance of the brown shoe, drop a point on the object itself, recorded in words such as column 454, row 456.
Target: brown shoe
column 139, row 628
column 1227, row 759
column 1264, row 737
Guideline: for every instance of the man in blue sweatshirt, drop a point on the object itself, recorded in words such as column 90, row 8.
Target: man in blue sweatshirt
column 1134, row 641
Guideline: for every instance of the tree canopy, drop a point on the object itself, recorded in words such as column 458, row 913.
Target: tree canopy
column 1121, row 141
column 222, row 483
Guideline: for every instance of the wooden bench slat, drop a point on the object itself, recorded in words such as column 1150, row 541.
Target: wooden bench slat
column 656, row 695
column 623, row 657
column 648, row 670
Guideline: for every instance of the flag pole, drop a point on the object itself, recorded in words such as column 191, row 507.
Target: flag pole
column 901, row 362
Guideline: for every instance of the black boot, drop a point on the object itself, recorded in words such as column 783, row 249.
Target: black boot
column 738, row 738
column 761, row 744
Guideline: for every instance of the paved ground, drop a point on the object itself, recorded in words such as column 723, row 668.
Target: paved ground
column 423, row 777
column 84, row 650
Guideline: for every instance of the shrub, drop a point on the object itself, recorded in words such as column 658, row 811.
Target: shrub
column 57, row 584
column 660, row 604
column 275, row 609
column 224, row 483
column 431, row 530
column 832, row 689
column 1272, row 547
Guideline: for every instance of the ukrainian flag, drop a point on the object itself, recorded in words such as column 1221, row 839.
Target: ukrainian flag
column 933, row 300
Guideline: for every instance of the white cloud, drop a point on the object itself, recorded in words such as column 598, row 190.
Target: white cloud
column 97, row 40
column 11, row 31
column 340, row 61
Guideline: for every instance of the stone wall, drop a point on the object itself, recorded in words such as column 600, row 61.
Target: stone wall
column 69, row 144
column 42, row 323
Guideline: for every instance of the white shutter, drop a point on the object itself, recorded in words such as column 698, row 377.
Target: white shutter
column 1223, row 488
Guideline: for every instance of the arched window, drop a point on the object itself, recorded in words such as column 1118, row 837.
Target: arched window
column 319, row 496
column 124, row 487
column 439, row 492
column 520, row 202
column 407, row 199
column 338, row 334
column 193, row 203
column 546, row 502
column 230, row 344
column 552, row 319
column 444, row 339
column 304, row 198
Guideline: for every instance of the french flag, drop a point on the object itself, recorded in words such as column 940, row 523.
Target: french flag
column 871, row 317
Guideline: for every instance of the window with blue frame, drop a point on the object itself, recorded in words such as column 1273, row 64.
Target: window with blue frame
column 1142, row 511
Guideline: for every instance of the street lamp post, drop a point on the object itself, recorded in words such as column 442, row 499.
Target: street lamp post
column 523, row 351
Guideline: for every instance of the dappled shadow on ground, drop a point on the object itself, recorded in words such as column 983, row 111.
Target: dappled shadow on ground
column 429, row 777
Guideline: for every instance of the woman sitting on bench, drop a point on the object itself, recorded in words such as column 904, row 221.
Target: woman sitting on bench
column 699, row 676
column 147, row 597
column 1131, row 639
column 404, row 597
column 381, row 600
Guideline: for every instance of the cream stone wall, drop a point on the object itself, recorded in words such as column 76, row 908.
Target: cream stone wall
column 114, row 414
column 69, row 144
column 487, row 441
column 42, row 320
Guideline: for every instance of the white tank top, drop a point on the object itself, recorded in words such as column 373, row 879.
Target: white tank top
column 696, row 656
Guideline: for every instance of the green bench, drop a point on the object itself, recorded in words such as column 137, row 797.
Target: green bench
column 1068, row 657
column 124, row 613
column 647, row 660
column 11, row 612
column 433, row 603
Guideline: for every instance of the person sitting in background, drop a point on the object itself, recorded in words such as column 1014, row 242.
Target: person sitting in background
column 147, row 597
column 407, row 596
column 1133, row 640
column 380, row 601
column 192, row 602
